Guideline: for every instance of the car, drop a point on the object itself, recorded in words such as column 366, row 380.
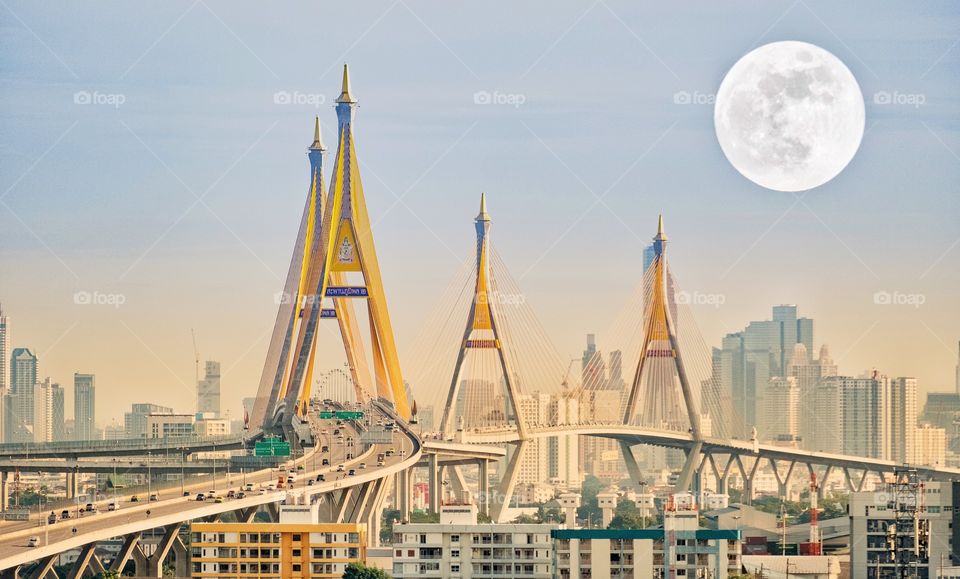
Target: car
column 324, row 448
column 380, row 463
column 134, row 499
column 112, row 507
column 154, row 498
column 325, row 462
column 64, row 514
column 362, row 465
column 212, row 493
column 52, row 518
column 90, row 508
column 201, row 497
column 186, row 493
column 299, row 467
column 339, row 468
column 263, row 491
column 349, row 456
column 351, row 472
column 321, row 478
column 231, row 493
column 390, row 452
column 218, row 499
column 336, row 431
column 33, row 541
column 241, row 495
column 248, row 487
column 270, row 487
column 291, row 472
column 311, row 482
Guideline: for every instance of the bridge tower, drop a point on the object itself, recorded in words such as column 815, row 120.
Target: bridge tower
column 334, row 244
column 660, row 363
column 481, row 333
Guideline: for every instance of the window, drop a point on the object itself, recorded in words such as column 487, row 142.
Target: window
column 455, row 553
column 296, row 552
column 296, row 537
column 296, row 567
column 454, row 538
column 454, row 568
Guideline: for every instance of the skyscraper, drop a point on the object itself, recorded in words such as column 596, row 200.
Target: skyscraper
column 4, row 352
column 865, row 415
column 84, row 407
column 747, row 360
column 135, row 421
column 41, row 428
column 903, row 420
column 208, row 389
column 58, row 420
column 19, row 402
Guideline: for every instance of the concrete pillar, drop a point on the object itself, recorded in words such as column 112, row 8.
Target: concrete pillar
column 72, row 485
column 405, row 491
column 434, row 485
column 484, row 486
column 4, row 490
column 182, row 558
column 608, row 504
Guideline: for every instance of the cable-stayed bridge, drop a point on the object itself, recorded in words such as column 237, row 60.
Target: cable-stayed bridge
column 486, row 363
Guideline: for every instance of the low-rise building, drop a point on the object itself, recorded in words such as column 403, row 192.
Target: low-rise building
column 296, row 547
column 461, row 548
column 885, row 537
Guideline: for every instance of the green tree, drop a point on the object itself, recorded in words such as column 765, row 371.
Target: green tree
column 361, row 571
column 589, row 510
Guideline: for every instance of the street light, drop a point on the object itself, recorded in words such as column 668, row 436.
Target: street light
column 116, row 504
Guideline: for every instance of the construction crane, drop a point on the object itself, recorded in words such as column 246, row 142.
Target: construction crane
column 566, row 375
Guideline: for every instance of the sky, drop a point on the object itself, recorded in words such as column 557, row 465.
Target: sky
column 152, row 157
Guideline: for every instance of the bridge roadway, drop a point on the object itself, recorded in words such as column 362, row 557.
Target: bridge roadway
column 633, row 435
column 121, row 466
column 171, row 510
column 124, row 447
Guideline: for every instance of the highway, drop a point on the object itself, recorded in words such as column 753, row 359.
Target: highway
column 174, row 508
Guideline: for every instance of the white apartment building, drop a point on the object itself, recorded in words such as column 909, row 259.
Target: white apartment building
column 463, row 549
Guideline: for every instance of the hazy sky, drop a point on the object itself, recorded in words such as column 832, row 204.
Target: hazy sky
column 179, row 185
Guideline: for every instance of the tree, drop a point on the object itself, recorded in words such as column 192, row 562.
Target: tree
column 361, row 571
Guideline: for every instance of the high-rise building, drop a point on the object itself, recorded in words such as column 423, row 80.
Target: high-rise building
column 4, row 352
column 826, row 434
column 564, row 451
column 135, row 421
column 208, row 389
column 747, row 360
column 808, row 374
column 59, row 414
column 19, row 402
column 42, row 427
column 84, row 407
column 780, row 418
column 865, row 416
column 534, row 465
column 903, row 420
column 593, row 370
column 931, row 446
column 957, row 370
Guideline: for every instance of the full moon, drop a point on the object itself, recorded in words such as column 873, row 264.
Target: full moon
column 789, row 116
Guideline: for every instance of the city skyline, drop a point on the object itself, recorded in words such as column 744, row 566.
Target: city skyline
column 824, row 252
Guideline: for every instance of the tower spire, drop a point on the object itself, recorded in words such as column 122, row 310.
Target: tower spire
column 317, row 141
column 345, row 96
column 661, row 236
column 483, row 216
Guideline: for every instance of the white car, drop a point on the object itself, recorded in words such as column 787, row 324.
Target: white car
column 33, row 541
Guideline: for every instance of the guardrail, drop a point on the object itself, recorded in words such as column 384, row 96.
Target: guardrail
column 126, row 445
